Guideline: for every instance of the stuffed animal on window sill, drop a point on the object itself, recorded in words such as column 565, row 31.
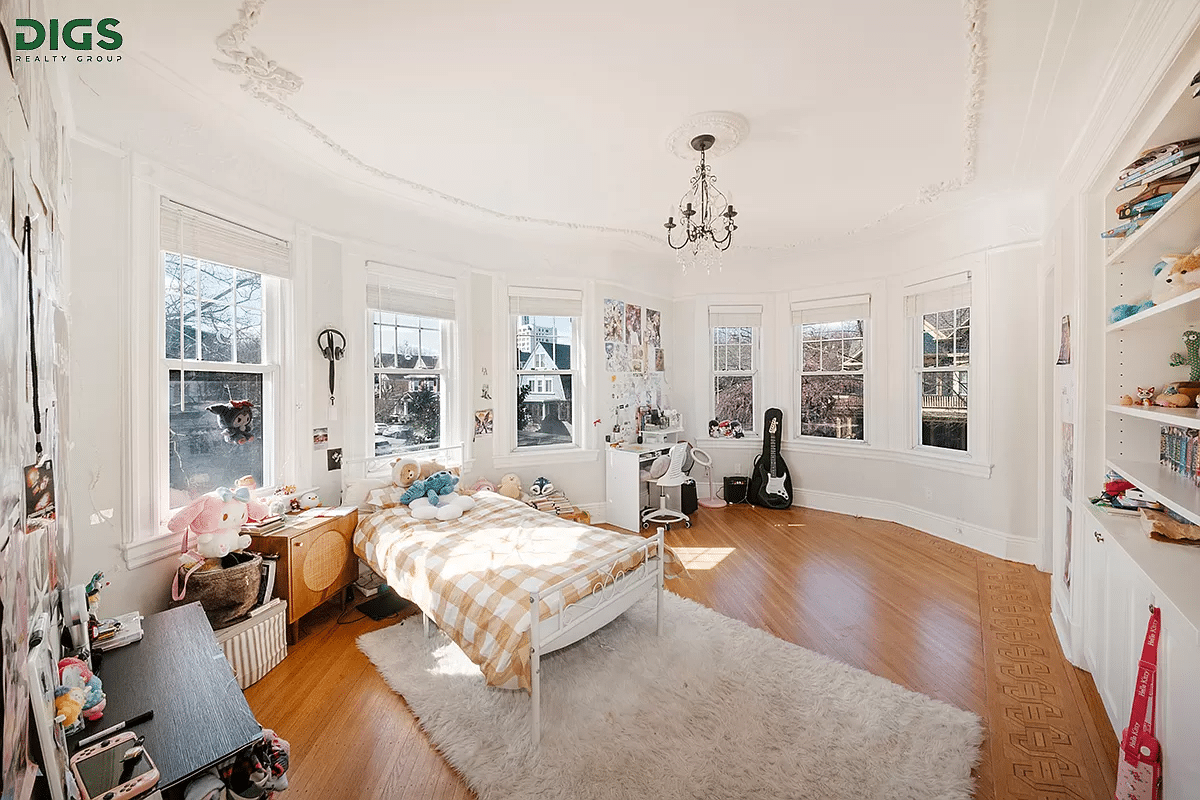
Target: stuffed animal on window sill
column 236, row 418
column 307, row 500
column 215, row 521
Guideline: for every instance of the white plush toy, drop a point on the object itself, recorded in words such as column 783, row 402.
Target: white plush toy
column 451, row 507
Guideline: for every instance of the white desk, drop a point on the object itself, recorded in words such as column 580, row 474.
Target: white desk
column 626, row 492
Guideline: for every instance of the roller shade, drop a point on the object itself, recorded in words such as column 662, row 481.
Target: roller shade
column 535, row 302
column 942, row 294
column 748, row 316
column 393, row 293
column 194, row 233
column 832, row 309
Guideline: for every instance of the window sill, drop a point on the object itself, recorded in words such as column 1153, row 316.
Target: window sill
column 523, row 459
column 726, row 443
column 962, row 465
column 147, row 551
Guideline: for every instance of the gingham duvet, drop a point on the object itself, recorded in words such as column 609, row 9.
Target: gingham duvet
column 473, row 575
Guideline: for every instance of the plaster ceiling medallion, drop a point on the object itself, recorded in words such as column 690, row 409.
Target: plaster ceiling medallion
column 726, row 127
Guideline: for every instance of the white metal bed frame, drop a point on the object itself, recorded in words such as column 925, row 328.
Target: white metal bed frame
column 612, row 594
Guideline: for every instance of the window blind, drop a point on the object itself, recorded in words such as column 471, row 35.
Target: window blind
column 832, row 309
column 535, row 302
column 748, row 316
column 191, row 232
column 941, row 294
column 398, row 296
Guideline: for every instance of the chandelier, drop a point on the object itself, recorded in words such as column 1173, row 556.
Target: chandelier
column 706, row 217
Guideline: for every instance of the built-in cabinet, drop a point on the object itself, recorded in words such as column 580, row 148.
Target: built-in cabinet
column 1107, row 571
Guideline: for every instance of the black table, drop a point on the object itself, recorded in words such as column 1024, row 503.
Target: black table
column 179, row 671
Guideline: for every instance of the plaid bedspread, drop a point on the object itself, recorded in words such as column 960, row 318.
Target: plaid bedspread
column 473, row 575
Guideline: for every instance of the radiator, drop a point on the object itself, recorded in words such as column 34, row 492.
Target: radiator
column 255, row 646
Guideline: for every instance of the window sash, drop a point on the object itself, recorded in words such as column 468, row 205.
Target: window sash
column 533, row 302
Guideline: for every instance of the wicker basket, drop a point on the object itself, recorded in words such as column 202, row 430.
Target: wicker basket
column 226, row 594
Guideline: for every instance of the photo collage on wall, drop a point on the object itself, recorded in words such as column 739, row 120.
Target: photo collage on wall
column 632, row 338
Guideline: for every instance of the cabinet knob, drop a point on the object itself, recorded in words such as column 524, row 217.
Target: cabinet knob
column 297, row 544
column 1099, row 538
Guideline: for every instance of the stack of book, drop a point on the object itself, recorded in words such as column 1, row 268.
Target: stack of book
column 113, row 633
column 266, row 584
column 557, row 503
column 1162, row 171
column 1179, row 449
column 266, row 525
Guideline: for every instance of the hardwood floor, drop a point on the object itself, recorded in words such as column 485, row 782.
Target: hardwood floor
column 931, row 615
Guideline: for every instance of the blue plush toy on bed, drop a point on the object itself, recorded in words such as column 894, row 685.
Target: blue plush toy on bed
column 433, row 487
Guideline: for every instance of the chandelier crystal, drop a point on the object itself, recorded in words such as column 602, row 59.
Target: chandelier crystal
column 706, row 218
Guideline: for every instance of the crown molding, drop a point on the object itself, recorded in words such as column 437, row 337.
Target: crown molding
column 271, row 84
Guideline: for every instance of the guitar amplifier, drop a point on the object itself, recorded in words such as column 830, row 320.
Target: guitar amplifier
column 735, row 488
column 688, row 503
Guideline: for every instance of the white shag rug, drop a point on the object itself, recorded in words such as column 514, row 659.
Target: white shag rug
column 712, row 709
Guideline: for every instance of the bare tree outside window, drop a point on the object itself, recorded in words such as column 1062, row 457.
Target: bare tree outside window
column 734, row 371
column 831, row 380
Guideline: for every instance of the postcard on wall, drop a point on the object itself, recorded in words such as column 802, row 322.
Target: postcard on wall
column 614, row 320
column 1068, row 459
column 660, row 361
column 637, row 358
column 633, row 324
column 483, row 423
column 616, row 357
column 333, row 459
column 653, row 328
column 320, row 438
column 1064, row 346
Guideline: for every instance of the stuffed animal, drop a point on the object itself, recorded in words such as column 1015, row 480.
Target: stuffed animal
column 405, row 471
column 433, row 487
column 1183, row 272
column 510, row 486
column 68, row 707
column 1126, row 310
column 308, row 500
column 215, row 520
column 1126, row 400
column 1145, row 396
column 482, row 485
column 1172, row 398
column 74, row 673
column 236, row 418
column 1190, row 358
column 541, row 487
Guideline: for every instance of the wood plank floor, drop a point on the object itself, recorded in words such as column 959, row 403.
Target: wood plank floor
column 931, row 615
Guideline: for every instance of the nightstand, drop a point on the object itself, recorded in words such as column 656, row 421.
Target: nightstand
column 316, row 562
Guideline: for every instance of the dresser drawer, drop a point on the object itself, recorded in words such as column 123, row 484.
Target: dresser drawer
column 321, row 562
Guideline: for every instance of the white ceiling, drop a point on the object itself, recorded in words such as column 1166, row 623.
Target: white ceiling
column 863, row 116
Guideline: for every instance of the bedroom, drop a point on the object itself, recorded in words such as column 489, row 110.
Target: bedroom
column 287, row 244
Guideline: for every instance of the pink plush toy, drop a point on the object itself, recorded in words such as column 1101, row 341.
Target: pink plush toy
column 215, row 520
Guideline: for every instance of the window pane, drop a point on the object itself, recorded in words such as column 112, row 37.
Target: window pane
column 544, row 414
column 832, row 406
column 721, row 335
column 831, row 355
column 408, row 412
column 249, row 318
column 544, row 342
column 216, row 331
column 172, row 303
column 408, row 346
column 944, row 409
column 962, row 345
column 945, row 321
column 200, row 455
column 945, row 352
column 431, row 347
column 734, row 395
column 853, row 355
column 216, row 281
column 811, row 360
column 963, row 317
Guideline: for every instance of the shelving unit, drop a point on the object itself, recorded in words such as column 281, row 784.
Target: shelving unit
column 1168, row 487
column 1171, row 230
column 1185, row 417
column 1170, row 314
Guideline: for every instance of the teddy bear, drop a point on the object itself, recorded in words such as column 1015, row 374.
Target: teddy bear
column 405, row 471
column 236, row 417
column 215, row 520
column 68, row 707
column 510, row 486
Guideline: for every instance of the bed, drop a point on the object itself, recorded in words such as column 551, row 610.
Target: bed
column 479, row 577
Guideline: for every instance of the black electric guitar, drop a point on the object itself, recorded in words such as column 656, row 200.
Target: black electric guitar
column 770, row 481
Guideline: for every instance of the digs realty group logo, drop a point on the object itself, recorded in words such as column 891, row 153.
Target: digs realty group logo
column 34, row 38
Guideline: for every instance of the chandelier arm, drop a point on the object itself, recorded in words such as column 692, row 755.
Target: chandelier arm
column 674, row 246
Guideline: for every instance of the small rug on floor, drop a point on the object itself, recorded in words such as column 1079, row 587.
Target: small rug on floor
column 712, row 709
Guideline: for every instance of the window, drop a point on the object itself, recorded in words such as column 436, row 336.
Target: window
column 545, row 335
column 411, row 335
column 219, row 363
column 941, row 322
column 735, row 331
column 830, row 342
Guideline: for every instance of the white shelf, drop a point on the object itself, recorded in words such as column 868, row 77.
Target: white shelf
column 1161, row 315
column 1187, row 417
column 1173, row 490
column 1174, row 229
column 1172, row 567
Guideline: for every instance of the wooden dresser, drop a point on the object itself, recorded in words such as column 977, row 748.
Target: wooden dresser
column 316, row 562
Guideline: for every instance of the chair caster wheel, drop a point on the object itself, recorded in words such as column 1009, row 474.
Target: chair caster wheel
column 645, row 526
column 687, row 524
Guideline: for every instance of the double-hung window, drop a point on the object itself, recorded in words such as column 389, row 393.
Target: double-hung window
column 221, row 322
column 411, row 349
column 939, row 316
column 546, row 334
column 831, row 366
column 735, row 332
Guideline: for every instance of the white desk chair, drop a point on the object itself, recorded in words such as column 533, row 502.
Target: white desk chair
column 673, row 477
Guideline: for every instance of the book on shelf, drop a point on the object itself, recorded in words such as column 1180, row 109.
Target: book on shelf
column 1127, row 228
column 1153, row 157
column 1169, row 167
column 1167, row 187
column 267, row 571
column 264, row 525
column 1179, row 451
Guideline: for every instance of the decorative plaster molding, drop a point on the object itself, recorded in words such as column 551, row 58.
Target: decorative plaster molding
column 729, row 128
column 271, row 84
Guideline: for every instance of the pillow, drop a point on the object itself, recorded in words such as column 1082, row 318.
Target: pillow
column 387, row 496
column 355, row 493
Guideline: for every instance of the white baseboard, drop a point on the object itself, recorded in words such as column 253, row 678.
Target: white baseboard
column 596, row 511
column 977, row 537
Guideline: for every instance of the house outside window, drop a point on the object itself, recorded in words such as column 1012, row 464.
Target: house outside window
column 831, row 367
column 546, row 336
column 940, row 321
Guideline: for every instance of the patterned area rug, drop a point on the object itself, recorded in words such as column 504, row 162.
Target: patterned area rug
column 713, row 709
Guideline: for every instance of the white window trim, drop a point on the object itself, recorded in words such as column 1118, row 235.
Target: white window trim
column 756, row 374
column 867, row 374
column 144, row 537
column 504, row 432
column 448, row 429
column 517, row 372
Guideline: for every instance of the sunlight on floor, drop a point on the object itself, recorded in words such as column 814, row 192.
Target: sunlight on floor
column 702, row 557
